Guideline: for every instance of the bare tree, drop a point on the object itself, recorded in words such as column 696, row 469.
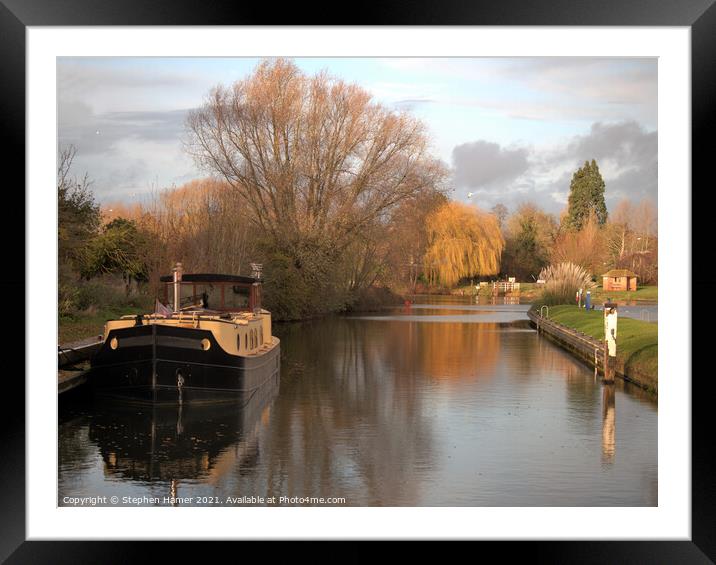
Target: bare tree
column 315, row 158
column 618, row 231
column 585, row 247
column 644, row 223
column 500, row 211
column 202, row 223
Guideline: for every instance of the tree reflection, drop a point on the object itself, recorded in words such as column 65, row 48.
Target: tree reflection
column 352, row 415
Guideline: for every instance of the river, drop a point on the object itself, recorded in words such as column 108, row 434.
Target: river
column 443, row 403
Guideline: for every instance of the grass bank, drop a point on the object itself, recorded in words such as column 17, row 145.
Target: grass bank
column 86, row 305
column 637, row 341
column 91, row 323
column 530, row 292
column 650, row 293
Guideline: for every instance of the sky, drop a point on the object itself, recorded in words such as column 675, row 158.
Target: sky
column 512, row 130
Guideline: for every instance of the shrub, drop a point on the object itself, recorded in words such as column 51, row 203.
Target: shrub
column 375, row 298
column 562, row 281
column 67, row 299
column 99, row 294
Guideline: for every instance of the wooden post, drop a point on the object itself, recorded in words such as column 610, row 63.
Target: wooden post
column 596, row 363
column 608, row 364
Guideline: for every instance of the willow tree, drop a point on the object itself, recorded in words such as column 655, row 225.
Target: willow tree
column 464, row 242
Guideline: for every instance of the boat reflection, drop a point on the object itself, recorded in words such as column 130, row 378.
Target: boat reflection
column 179, row 442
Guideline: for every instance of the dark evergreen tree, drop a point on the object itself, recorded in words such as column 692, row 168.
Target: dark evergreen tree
column 78, row 214
column 586, row 195
column 120, row 248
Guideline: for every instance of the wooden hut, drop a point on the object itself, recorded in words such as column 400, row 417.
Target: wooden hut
column 619, row 279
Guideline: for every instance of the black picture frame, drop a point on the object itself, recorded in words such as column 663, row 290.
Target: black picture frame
column 699, row 15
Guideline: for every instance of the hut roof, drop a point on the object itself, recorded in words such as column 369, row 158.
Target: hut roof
column 619, row 273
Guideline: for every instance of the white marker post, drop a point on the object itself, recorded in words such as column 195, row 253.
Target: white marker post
column 610, row 340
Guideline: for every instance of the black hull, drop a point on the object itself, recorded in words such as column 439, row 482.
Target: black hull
column 166, row 364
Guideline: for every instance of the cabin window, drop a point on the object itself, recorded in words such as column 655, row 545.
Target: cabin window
column 236, row 297
column 186, row 295
column 210, row 294
column 246, row 341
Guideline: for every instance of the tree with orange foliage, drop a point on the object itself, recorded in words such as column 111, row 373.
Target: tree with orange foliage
column 204, row 224
column 585, row 247
column 464, row 242
column 315, row 157
column 320, row 166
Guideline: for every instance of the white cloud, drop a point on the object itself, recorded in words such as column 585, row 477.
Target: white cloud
column 549, row 88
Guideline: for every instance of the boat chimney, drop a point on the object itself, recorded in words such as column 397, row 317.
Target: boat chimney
column 177, row 280
column 256, row 288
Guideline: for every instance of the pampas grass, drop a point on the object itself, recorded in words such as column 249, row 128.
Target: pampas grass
column 562, row 281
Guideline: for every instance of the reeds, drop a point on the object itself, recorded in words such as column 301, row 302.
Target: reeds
column 562, row 281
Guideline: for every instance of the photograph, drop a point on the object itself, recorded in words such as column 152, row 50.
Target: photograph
column 395, row 280
column 293, row 281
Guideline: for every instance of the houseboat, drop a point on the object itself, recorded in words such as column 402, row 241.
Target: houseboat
column 213, row 344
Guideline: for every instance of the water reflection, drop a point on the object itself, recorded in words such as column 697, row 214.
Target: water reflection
column 169, row 444
column 647, row 312
column 608, row 424
column 390, row 411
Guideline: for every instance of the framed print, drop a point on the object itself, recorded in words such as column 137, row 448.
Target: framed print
column 386, row 224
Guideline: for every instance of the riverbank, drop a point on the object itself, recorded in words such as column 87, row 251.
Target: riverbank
column 89, row 324
column 637, row 342
column 530, row 292
column 644, row 293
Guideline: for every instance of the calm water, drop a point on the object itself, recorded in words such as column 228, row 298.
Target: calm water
column 443, row 404
column 638, row 310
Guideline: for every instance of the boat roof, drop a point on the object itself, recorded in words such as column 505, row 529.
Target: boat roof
column 211, row 277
